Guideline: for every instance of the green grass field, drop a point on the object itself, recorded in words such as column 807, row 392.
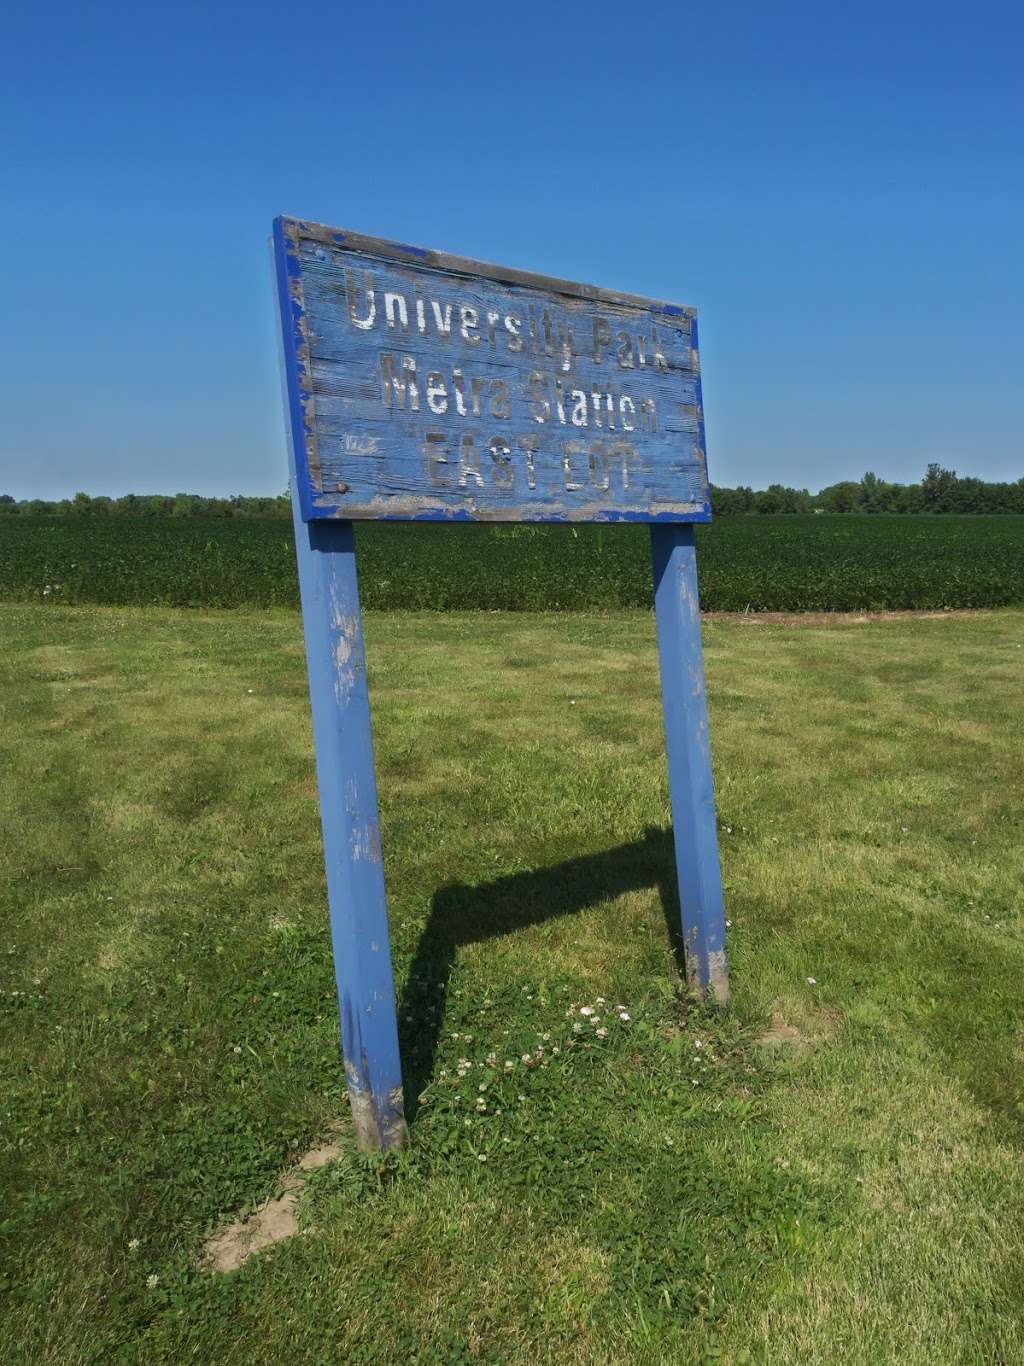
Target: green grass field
column 830, row 1171
column 760, row 564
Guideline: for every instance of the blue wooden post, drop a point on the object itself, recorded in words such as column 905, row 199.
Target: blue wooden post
column 336, row 663
column 681, row 658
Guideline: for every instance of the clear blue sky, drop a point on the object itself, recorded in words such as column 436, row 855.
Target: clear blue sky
column 838, row 188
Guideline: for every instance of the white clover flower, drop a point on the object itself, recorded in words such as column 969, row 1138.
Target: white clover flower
column 153, row 1281
column 482, row 1086
column 545, row 1037
column 600, row 1000
column 586, row 1010
column 602, row 1033
column 133, row 1244
column 481, row 1157
column 577, row 1028
column 697, row 1043
column 526, row 1057
column 812, row 981
column 624, row 1017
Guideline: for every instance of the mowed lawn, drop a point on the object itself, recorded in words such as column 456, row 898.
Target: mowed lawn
column 831, row 1170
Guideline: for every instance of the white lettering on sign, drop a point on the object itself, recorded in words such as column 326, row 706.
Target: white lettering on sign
column 476, row 395
column 580, row 465
column 548, row 336
column 551, row 398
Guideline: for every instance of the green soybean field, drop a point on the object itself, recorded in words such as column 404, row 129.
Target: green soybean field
column 814, row 563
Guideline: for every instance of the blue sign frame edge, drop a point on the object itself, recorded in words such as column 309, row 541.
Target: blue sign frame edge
column 295, row 362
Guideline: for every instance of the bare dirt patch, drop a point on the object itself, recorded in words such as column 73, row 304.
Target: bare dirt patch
column 780, row 1032
column 275, row 1219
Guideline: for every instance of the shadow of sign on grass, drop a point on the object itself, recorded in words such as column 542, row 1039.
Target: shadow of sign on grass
column 461, row 915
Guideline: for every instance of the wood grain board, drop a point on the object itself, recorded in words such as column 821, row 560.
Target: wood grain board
column 427, row 386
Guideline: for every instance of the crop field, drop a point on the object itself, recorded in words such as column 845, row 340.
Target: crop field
column 783, row 563
column 828, row 1171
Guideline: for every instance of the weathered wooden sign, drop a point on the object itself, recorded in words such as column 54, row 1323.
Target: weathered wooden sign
column 422, row 386
column 428, row 386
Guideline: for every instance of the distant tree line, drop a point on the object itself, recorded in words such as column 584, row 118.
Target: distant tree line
column 151, row 505
column 940, row 490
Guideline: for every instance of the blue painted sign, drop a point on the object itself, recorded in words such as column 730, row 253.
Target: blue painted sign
column 427, row 386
